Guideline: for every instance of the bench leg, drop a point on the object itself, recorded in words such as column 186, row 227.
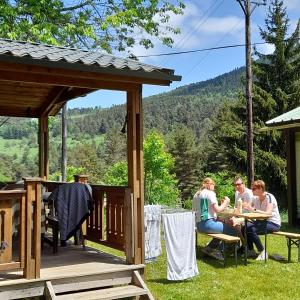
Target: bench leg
column 289, row 244
column 235, row 253
column 224, row 253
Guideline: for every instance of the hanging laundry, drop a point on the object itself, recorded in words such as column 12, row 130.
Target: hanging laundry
column 179, row 231
column 152, row 220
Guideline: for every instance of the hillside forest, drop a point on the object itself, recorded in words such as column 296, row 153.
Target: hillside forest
column 193, row 131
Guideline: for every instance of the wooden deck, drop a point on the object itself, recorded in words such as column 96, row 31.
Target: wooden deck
column 70, row 270
column 71, row 261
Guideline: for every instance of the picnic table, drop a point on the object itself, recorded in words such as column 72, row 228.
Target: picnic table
column 247, row 216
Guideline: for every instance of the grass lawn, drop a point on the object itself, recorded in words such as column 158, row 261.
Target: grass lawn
column 257, row 280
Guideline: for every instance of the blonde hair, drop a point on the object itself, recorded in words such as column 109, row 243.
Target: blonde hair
column 206, row 181
column 259, row 184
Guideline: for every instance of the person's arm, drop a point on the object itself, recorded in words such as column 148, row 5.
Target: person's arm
column 194, row 205
column 249, row 206
column 218, row 208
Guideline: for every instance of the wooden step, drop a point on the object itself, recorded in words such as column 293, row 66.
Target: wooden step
column 119, row 292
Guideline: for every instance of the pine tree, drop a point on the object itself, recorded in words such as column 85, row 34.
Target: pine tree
column 182, row 146
column 275, row 91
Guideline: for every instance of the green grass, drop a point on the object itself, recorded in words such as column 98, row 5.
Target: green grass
column 257, row 280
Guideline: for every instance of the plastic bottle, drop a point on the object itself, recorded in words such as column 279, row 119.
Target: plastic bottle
column 239, row 206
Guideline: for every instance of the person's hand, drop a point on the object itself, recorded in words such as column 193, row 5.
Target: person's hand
column 226, row 201
column 247, row 206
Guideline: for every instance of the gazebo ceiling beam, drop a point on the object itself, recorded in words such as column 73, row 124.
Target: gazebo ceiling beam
column 52, row 98
column 58, row 80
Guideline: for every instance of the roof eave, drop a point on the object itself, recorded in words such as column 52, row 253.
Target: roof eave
column 156, row 77
column 280, row 126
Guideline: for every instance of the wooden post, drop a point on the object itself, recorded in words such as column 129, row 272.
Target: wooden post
column 43, row 147
column 248, row 10
column 136, row 173
column 64, row 143
column 33, row 220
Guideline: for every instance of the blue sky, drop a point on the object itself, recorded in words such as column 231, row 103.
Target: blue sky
column 205, row 24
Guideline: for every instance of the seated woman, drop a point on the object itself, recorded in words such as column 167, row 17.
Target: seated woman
column 262, row 202
column 206, row 206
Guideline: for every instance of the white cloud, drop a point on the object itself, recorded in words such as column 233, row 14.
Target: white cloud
column 227, row 24
column 292, row 4
column 265, row 48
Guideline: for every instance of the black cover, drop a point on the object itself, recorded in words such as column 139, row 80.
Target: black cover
column 73, row 203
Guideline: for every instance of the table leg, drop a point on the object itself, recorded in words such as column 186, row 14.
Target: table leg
column 224, row 253
column 265, row 241
column 235, row 253
column 246, row 243
column 298, row 245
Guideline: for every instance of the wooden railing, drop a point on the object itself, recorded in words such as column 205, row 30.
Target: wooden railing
column 107, row 222
column 110, row 221
column 26, row 203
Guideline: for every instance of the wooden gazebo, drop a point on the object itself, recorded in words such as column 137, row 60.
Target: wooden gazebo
column 36, row 81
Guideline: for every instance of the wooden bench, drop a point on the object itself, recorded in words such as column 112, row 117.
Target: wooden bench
column 291, row 239
column 225, row 239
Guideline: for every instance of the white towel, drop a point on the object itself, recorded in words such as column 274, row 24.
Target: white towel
column 152, row 220
column 179, row 231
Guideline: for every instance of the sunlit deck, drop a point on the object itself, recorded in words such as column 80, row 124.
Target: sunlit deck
column 71, row 261
column 71, row 269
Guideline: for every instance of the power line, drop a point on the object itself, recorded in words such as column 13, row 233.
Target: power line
column 208, row 52
column 201, row 50
column 214, row 7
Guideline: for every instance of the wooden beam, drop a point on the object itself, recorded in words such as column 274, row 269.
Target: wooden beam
column 68, row 72
column 43, row 147
column 74, row 93
column 18, row 112
column 75, row 81
column 51, row 99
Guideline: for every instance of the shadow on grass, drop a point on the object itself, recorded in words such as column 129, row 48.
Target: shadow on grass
column 230, row 261
column 167, row 281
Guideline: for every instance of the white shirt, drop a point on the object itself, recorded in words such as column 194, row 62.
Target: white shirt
column 262, row 205
column 203, row 205
column 246, row 196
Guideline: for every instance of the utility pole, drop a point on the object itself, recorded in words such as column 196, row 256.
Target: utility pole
column 64, row 143
column 248, row 10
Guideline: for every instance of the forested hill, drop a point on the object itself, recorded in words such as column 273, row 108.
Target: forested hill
column 225, row 84
column 190, row 105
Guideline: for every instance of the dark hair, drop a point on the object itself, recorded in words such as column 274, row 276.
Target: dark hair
column 238, row 178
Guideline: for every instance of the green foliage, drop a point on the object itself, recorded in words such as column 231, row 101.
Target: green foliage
column 117, row 174
column 160, row 184
column 71, row 171
column 224, row 184
column 85, row 156
column 182, row 146
column 104, row 25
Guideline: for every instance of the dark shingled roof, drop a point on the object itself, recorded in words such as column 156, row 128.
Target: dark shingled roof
column 40, row 54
